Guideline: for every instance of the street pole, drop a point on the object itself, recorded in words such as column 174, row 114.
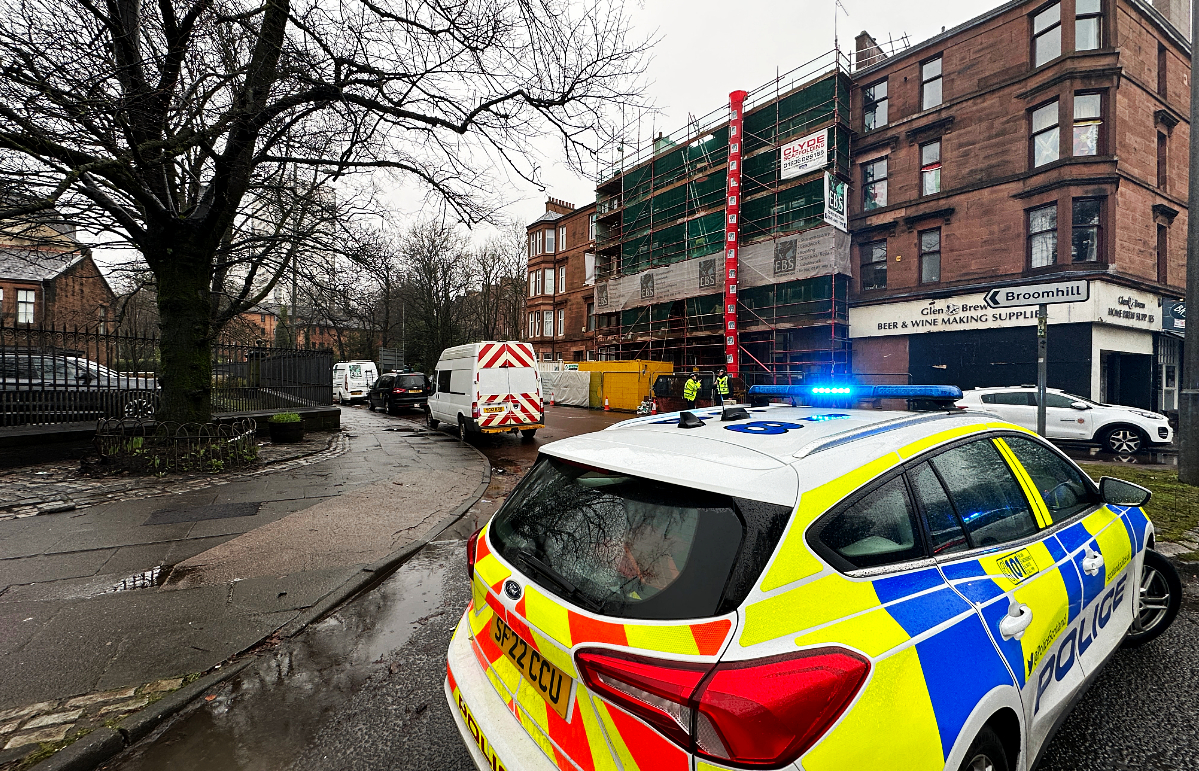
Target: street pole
column 1042, row 349
column 1188, row 405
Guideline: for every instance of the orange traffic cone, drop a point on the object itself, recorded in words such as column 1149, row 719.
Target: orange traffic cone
column 606, row 404
column 653, row 410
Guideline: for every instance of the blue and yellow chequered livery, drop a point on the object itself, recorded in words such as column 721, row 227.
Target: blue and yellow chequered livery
column 989, row 629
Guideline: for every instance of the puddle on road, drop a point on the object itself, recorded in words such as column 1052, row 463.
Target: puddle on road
column 264, row 718
column 1147, row 458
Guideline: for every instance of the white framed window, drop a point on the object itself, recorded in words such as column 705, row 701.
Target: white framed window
column 539, row 274
column 591, row 228
column 533, row 284
column 538, row 315
column 930, row 84
column 562, row 278
column 562, row 238
column 549, row 241
column 532, row 242
column 561, row 328
column 549, row 280
column 25, row 302
column 1045, row 134
column 549, row 323
column 532, row 324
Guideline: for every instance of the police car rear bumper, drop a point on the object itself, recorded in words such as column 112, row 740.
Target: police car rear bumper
column 500, row 731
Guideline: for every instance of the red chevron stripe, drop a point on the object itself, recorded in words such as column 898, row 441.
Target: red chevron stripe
column 496, row 353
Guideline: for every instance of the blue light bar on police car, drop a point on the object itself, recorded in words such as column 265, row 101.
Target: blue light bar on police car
column 935, row 392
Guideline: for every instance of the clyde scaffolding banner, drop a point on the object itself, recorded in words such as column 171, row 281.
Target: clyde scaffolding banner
column 803, row 155
column 816, row 252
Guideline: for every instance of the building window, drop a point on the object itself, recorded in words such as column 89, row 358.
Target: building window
column 591, row 228
column 1088, row 122
column 930, row 168
column 1046, row 144
column 25, row 300
column 532, row 325
column 874, row 109
column 930, row 84
column 549, row 323
column 103, row 320
column 590, row 317
column 1162, row 252
column 549, row 280
column 262, row 317
column 533, row 284
column 1047, row 34
column 1161, row 69
column 1085, row 230
column 1161, row 160
column 561, row 329
column 562, row 278
column 874, row 184
column 549, row 241
column 1042, row 236
column 930, row 256
column 874, row 265
column 1088, row 25
column 562, row 238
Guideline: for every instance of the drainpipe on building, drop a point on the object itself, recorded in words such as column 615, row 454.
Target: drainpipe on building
column 1188, row 423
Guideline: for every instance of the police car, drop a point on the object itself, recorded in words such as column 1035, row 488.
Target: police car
column 809, row 588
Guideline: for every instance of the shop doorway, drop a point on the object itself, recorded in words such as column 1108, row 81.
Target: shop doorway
column 1126, row 378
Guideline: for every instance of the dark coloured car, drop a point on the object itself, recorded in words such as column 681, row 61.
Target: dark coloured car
column 394, row 391
column 41, row 388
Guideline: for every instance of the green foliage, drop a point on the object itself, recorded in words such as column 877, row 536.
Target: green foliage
column 285, row 417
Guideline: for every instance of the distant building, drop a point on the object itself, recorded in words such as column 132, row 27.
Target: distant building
column 560, row 311
column 44, row 288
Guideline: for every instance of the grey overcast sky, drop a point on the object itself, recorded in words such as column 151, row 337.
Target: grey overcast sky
column 709, row 48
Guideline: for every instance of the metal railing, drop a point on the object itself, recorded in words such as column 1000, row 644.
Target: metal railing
column 51, row 376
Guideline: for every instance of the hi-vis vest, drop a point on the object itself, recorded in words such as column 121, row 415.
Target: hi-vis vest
column 691, row 390
column 722, row 385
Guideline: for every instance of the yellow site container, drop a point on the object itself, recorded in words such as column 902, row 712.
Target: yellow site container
column 623, row 383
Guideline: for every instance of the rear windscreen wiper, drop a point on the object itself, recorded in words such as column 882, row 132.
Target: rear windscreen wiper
column 562, row 582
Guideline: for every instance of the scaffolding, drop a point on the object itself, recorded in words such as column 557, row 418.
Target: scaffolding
column 665, row 203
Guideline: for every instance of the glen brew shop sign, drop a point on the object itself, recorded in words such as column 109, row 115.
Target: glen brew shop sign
column 803, row 155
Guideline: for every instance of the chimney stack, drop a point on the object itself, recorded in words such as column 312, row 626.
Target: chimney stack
column 868, row 51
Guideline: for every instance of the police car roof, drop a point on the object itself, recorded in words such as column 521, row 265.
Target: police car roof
column 771, row 457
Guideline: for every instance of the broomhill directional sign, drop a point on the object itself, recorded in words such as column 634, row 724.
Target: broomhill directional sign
column 1039, row 294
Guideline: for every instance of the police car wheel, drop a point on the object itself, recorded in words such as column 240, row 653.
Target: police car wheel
column 1160, row 597
column 986, row 753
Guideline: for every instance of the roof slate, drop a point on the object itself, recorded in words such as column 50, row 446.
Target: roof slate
column 23, row 264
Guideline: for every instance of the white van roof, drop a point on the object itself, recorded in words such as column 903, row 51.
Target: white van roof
column 518, row 354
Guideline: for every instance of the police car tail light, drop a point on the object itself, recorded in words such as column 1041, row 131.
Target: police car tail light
column 765, row 713
column 472, row 544
column 656, row 691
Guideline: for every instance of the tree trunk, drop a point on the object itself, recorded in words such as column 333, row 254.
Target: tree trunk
column 184, row 307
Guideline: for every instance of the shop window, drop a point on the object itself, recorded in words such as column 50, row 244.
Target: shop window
column 1088, row 123
column 874, row 110
column 1161, row 161
column 874, row 184
column 930, row 84
column 25, row 303
column 874, row 265
column 1088, row 25
column 1085, row 230
column 1042, row 236
column 930, row 256
column 1046, row 142
column 930, row 168
column 1047, row 34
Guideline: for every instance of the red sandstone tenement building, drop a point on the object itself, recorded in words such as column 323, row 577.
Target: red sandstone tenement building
column 1039, row 142
column 561, row 276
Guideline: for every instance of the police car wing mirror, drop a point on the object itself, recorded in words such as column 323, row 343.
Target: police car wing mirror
column 689, row 420
column 1117, row 492
column 733, row 413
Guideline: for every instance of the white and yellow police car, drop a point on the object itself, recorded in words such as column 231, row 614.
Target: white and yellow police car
column 808, row 588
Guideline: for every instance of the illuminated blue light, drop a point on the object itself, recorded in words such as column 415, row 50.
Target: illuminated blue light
column 936, row 392
column 832, row 390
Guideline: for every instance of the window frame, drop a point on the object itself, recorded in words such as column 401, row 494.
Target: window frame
column 1097, row 227
column 591, row 227
column 867, row 186
column 870, row 105
column 862, row 250
column 1035, row 36
column 561, row 238
column 1162, row 247
column 1163, row 157
column 550, row 245
column 927, row 169
column 561, row 278
column 925, row 254
column 1100, row 121
column 560, row 323
column 939, row 78
column 1030, row 235
column 26, row 305
column 1033, row 133
column 1081, row 17
column 1162, row 67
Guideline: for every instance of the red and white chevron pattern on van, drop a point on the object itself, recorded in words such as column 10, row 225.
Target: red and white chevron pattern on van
column 522, row 409
column 506, row 355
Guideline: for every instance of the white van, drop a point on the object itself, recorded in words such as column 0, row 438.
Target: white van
column 352, row 380
column 490, row 387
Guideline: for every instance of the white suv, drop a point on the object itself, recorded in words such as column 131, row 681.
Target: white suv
column 1121, row 430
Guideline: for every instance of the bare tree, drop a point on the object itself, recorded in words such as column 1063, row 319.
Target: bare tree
column 437, row 279
column 213, row 136
column 499, row 268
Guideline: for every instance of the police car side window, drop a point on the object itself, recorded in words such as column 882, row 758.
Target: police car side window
column 877, row 529
column 986, row 496
column 944, row 528
column 1062, row 487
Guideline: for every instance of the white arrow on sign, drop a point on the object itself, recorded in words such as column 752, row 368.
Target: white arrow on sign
column 1039, row 294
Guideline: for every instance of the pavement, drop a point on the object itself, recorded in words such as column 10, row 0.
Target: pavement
column 122, row 594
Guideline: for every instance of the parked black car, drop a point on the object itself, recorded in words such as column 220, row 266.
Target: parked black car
column 396, row 390
column 41, row 388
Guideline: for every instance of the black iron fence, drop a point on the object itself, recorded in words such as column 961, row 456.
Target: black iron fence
column 54, row 376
